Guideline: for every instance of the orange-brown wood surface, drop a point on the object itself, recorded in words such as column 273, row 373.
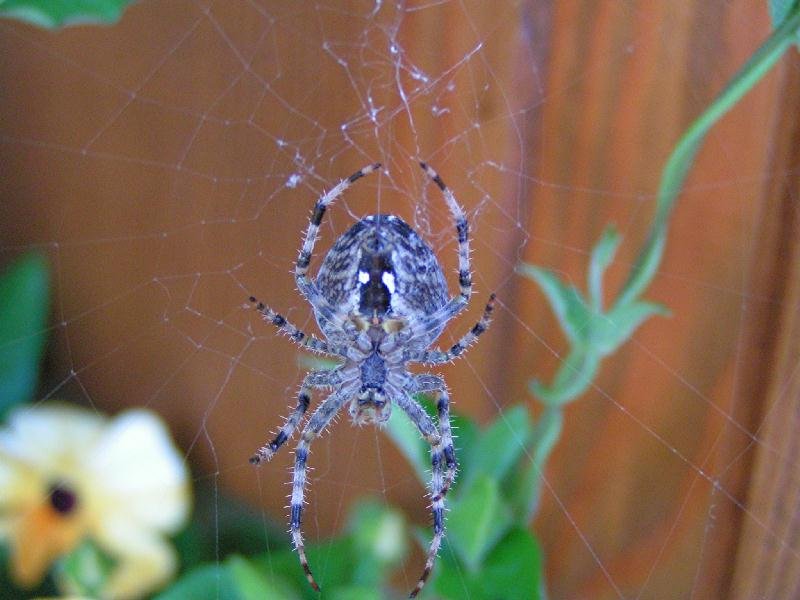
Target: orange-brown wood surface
column 150, row 162
column 766, row 557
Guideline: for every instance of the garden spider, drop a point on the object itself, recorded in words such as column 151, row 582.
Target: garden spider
column 380, row 298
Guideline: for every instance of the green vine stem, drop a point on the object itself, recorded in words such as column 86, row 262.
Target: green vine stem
column 680, row 161
column 594, row 333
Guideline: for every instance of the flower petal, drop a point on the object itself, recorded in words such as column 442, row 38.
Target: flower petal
column 145, row 560
column 51, row 436
column 20, row 485
column 138, row 474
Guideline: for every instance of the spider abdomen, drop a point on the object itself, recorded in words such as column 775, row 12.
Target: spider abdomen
column 381, row 268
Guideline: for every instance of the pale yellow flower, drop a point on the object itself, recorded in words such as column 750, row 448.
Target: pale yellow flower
column 67, row 474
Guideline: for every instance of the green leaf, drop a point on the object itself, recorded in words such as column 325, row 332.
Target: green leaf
column 525, row 489
column 574, row 377
column 85, row 570
column 571, row 311
column 620, row 323
column 59, row 13
column 379, row 538
column 24, row 300
column 513, row 571
column 374, row 542
column 405, row 435
column 379, row 532
column 499, row 447
column 285, row 565
column 222, row 525
column 515, row 565
column 780, row 10
column 592, row 333
column 476, row 520
column 408, row 440
column 334, row 563
column 602, row 255
column 254, row 584
column 208, row 582
column 352, row 593
column 646, row 265
column 235, row 579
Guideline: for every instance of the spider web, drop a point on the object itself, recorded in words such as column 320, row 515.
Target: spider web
column 167, row 167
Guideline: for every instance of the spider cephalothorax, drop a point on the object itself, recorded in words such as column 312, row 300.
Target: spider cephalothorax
column 380, row 298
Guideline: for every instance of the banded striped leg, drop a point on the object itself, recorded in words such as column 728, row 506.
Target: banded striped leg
column 304, row 259
column 415, row 412
column 462, row 230
column 313, row 379
column 302, row 339
column 437, row 357
column 319, row 421
column 428, row 430
column 425, row 383
column 455, row 305
column 440, row 484
column 435, row 437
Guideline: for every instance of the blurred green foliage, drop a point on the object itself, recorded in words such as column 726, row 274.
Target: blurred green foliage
column 52, row 14
column 592, row 332
column 488, row 548
column 352, row 565
column 24, row 304
column 85, row 570
column 780, row 11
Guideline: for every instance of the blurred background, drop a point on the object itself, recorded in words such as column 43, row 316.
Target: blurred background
column 166, row 166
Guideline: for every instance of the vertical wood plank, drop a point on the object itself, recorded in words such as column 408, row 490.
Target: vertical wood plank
column 766, row 561
column 672, row 409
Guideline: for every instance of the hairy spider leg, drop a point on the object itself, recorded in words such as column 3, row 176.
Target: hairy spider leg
column 306, row 285
column 299, row 337
column 304, row 258
column 462, row 231
column 442, row 450
column 314, row 379
column 426, row 383
column 441, row 443
column 437, row 356
column 438, row 319
column 316, row 424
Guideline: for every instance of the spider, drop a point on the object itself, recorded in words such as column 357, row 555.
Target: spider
column 381, row 300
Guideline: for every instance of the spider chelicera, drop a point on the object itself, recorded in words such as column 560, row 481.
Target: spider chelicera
column 381, row 300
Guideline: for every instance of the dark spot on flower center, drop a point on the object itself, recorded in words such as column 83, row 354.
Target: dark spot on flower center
column 62, row 498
